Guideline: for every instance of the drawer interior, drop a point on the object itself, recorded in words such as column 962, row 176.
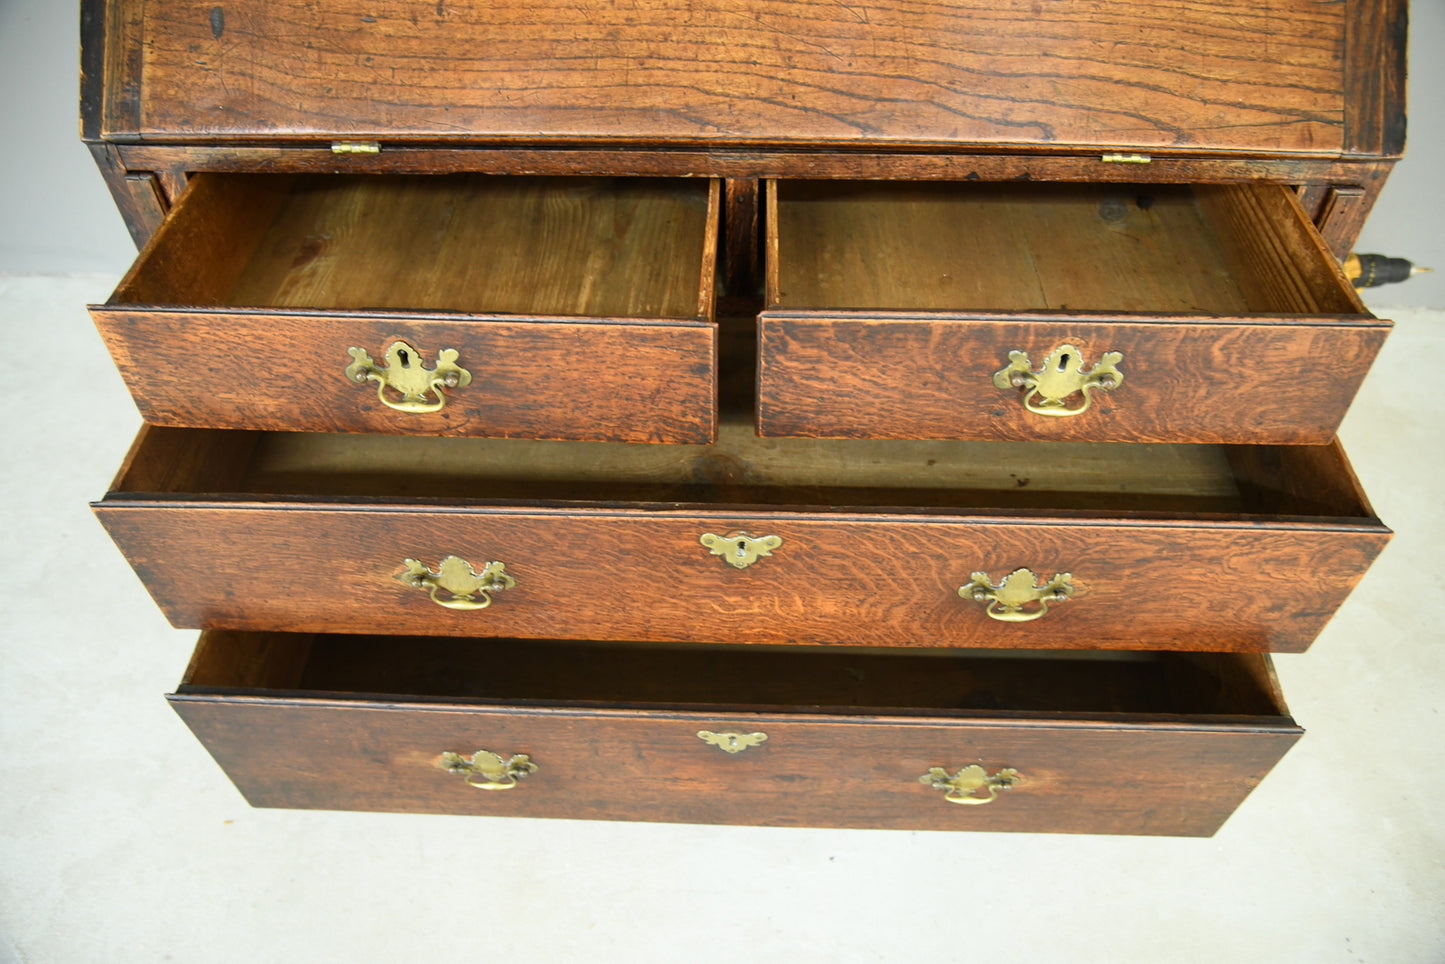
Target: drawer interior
column 838, row 679
column 743, row 469
column 1217, row 249
column 568, row 246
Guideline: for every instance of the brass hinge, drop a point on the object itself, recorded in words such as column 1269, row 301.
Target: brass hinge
column 356, row 147
column 1126, row 158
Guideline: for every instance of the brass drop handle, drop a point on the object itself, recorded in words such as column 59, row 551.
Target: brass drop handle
column 964, row 786
column 1020, row 597
column 1046, row 390
column 454, row 584
column 405, row 373
column 486, row 770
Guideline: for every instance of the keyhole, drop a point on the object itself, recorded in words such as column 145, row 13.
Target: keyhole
column 742, row 548
column 732, row 741
column 405, row 358
column 1063, row 362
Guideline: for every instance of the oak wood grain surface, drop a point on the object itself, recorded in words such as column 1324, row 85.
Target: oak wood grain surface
column 573, row 246
column 886, row 375
column 1230, row 75
column 642, row 247
column 560, row 378
column 1148, row 777
column 993, row 246
column 1374, row 61
column 1147, row 248
column 604, row 566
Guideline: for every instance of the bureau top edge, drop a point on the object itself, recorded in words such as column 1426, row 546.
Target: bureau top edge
column 1296, row 78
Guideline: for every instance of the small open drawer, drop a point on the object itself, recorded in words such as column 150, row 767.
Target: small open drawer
column 1203, row 313
column 890, row 543
column 563, row 307
column 1124, row 743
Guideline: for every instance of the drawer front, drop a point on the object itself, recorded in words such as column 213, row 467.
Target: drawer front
column 851, row 375
column 1123, row 778
column 646, row 575
column 617, row 380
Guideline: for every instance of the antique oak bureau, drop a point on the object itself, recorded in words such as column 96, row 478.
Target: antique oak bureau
column 749, row 411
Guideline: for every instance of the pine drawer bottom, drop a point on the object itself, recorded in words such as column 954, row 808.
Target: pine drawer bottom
column 990, row 740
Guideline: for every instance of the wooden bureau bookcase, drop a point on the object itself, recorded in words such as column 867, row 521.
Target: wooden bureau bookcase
column 744, row 411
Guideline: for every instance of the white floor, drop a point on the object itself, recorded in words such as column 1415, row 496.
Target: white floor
column 121, row 841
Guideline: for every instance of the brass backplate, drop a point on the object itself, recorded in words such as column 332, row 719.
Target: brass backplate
column 454, row 584
column 740, row 549
column 405, row 374
column 1020, row 597
column 963, row 787
column 731, row 742
column 1046, row 390
column 486, row 770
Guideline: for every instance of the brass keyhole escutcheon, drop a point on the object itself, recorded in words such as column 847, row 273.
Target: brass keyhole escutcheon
column 486, row 770
column 731, row 742
column 964, row 786
column 1046, row 390
column 405, row 374
column 740, row 549
column 454, row 584
column 1020, row 597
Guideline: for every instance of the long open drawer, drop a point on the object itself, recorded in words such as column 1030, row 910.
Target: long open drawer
column 1129, row 743
column 889, row 543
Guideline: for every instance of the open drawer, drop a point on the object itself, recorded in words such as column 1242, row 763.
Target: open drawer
column 1138, row 743
column 887, row 543
column 565, row 307
column 1105, row 312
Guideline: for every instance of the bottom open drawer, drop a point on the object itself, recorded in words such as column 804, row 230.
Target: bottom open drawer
column 1083, row 742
